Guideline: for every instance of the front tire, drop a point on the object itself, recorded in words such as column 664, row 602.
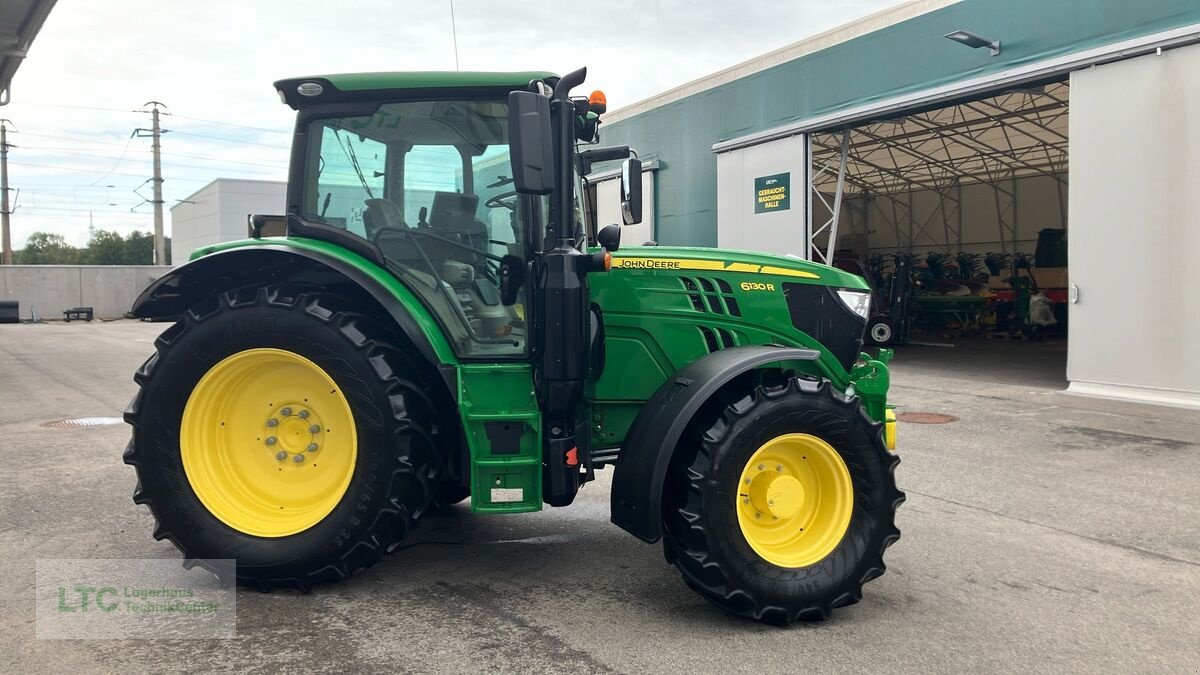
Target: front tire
column 780, row 504
column 881, row 332
column 286, row 431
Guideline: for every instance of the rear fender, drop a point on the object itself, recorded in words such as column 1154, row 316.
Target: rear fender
column 646, row 453
column 270, row 263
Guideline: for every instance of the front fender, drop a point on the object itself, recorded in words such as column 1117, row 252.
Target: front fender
column 645, row 455
column 299, row 260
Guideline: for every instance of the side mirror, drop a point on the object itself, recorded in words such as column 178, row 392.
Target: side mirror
column 631, row 191
column 587, row 127
column 530, row 143
column 609, row 238
column 512, row 276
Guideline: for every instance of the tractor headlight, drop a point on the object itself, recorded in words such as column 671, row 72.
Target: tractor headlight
column 858, row 302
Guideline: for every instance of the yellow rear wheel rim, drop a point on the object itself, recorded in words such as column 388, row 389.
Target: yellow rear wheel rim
column 268, row 442
column 794, row 500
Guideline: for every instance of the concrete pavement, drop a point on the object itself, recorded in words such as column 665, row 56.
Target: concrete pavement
column 1042, row 533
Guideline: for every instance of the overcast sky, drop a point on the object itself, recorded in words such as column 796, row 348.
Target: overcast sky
column 212, row 63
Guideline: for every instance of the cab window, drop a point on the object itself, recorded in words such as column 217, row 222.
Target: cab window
column 428, row 183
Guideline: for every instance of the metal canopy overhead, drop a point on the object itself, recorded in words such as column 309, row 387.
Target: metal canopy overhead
column 994, row 141
column 20, row 21
column 1015, row 134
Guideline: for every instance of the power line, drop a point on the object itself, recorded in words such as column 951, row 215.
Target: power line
column 69, row 210
column 118, row 163
column 276, row 165
column 78, row 139
column 83, row 152
column 79, row 107
column 454, row 33
column 72, row 151
column 134, row 175
column 58, row 216
column 175, row 115
column 231, row 124
column 230, row 140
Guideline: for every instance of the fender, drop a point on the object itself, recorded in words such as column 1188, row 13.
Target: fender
column 638, row 478
column 173, row 293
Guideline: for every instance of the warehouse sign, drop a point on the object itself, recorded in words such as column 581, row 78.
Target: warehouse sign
column 771, row 193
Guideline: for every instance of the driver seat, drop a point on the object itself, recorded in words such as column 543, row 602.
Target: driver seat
column 382, row 213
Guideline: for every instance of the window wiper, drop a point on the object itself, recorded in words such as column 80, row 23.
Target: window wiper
column 349, row 150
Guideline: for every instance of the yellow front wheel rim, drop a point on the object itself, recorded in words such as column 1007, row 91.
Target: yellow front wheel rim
column 268, row 442
column 794, row 500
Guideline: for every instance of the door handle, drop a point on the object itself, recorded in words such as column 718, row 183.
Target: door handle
column 1073, row 294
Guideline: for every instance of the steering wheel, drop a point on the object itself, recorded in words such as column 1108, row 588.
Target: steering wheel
column 501, row 200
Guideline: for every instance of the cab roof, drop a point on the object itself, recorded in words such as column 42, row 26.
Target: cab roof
column 365, row 86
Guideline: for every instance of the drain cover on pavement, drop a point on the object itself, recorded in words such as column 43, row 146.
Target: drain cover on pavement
column 75, row 422
column 925, row 418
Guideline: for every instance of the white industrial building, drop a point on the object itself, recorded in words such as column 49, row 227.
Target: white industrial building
column 966, row 128
column 219, row 212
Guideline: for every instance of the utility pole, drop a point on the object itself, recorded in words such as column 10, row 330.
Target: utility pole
column 160, row 250
column 5, row 212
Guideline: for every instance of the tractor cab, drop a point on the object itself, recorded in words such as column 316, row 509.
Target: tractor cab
column 425, row 177
column 426, row 182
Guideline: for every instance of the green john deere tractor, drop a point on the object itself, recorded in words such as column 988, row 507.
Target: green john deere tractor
column 438, row 318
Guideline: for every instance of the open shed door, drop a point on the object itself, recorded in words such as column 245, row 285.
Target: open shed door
column 1135, row 229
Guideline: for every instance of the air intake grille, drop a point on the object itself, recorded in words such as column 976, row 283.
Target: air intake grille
column 709, row 296
column 716, row 339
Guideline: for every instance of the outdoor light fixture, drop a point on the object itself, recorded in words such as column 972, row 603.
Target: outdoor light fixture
column 974, row 41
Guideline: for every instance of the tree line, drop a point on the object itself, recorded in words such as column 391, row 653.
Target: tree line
column 104, row 247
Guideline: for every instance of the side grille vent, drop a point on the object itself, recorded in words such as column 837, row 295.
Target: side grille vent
column 711, row 297
column 716, row 339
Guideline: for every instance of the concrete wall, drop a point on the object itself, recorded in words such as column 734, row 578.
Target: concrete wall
column 109, row 289
column 1135, row 223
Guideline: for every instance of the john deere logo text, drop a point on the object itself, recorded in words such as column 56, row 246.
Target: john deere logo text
column 645, row 264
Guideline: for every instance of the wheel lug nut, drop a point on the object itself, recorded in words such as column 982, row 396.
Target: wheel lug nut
column 779, row 468
column 314, row 428
column 298, row 458
column 285, row 411
column 761, row 467
column 770, row 502
column 281, row 455
column 303, row 414
column 272, row 422
column 271, row 440
column 312, row 447
column 757, row 515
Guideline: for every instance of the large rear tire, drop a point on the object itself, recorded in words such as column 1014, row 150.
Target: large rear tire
column 781, row 500
column 286, row 431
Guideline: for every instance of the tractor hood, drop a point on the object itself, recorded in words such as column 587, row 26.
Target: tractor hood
column 702, row 300
column 741, row 262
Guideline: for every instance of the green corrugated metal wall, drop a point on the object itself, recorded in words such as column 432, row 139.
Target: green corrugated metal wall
column 906, row 57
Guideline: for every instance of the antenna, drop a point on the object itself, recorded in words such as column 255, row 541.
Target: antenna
column 454, row 32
